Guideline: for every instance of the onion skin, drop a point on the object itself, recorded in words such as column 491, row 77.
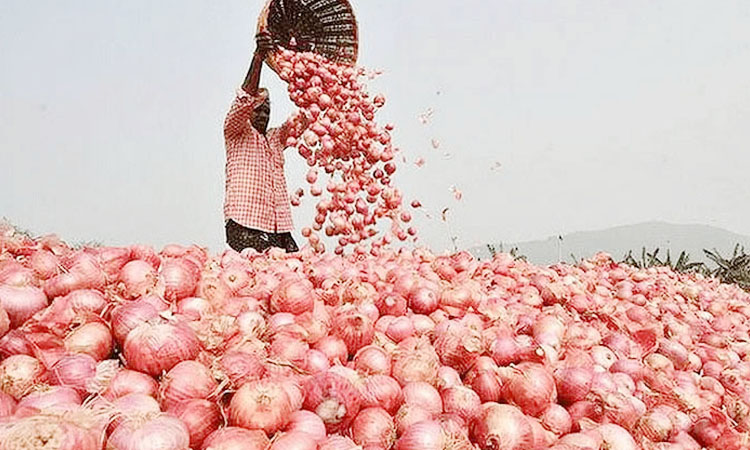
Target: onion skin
column 128, row 381
column 461, row 401
column 423, row 395
column 260, row 405
column 333, row 398
column 7, row 405
column 49, row 432
column 235, row 438
column 532, row 388
column 307, row 422
column 201, row 417
column 502, row 427
column 164, row 432
column 383, row 391
column 19, row 373
column 185, row 381
column 20, row 303
column 294, row 440
column 46, row 400
column 93, row 339
column 426, row 435
column 375, row 427
column 153, row 349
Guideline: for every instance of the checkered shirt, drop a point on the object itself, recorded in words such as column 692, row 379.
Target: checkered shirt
column 255, row 188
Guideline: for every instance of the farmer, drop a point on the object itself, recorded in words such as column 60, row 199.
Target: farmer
column 257, row 209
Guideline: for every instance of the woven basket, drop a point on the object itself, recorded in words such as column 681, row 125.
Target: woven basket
column 327, row 27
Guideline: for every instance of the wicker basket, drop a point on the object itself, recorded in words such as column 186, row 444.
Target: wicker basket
column 327, row 27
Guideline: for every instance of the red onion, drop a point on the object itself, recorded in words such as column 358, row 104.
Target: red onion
column 423, row 395
column 333, row 398
column 194, row 307
column 15, row 343
column 235, row 438
column 260, row 405
column 407, row 415
column 532, row 388
column 164, row 432
column 133, row 408
column 129, row 316
column 488, row 386
column 201, row 417
column 336, row 442
column 307, row 422
column 316, row 361
column 179, row 279
column 76, row 371
column 374, row 426
column 616, row 438
column 293, row 296
column 7, row 405
column 502, row 427
column 461, row 401
column 425, row 435
column 334, row 348
column 129, row 381
column 400, row 328
column 447, row 377
column 19, row 374
column 557, row 420
column 4, row 322
column 137, row 278
column 153, row 349
column 187, row 380
column 93, row 339
column 383, row 391
column 44, row 264
column 48, row 398
column 20, row 303
column 372, row 360
column 423, row 325
column 47, row 432
column 423, row 300
column 240, row 367
column 458, row 345
column 294, row 440
column 354, row 328
column 415, row 360
column 573, row 384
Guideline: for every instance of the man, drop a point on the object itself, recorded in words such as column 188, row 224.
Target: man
column 257, row 208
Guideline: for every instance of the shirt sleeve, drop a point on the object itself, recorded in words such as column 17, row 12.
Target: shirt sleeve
column 277, row 137
column 241, row 111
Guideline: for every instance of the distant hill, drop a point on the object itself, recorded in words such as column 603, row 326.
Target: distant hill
column 618, row 241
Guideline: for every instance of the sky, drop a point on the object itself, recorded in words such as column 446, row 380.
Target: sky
column 551, row 116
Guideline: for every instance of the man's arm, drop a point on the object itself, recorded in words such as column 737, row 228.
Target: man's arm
column 244, row 105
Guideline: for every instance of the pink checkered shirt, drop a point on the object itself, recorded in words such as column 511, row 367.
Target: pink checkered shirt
column 255, row 189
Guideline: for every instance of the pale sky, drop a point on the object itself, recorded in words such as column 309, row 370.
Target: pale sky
column 600, row 112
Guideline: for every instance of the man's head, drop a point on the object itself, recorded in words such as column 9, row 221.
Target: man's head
column 262, row 115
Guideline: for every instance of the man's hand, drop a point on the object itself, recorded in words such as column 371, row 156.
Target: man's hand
column 264, row 44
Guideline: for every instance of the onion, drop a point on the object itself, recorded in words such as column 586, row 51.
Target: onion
column 235, row 438
column 201, row 417
column 502, row 427
column 20, row 303
column 616, row 437
column 458, row 346
column 133, row 408
column 415, row 360
column 333, row 398
column 260, row 405
column 307, row 422
column 336, row 442
column 425, row 435
column 46, row 400
column 137, row 278
column 334, row 348
column 461, row 401
column 93, row 339
column 372, row 360
column 557, row 420
column 423, row 325
column 293, row 296
column 407, row 415
column 19, row 374
column 354, row 328
column 399, row 329
column 76, row 371
column 129, row 316
column 7, row 404
column 447, row 377
column 185, row 381
column 383, row 391
column 14, row 343
column 423, row 300
column 532, row 388
column 374, row 426
column 47, row 432
column 294, row 440
column 129, row 381
column 316, row 361
column 423, row 395
column 194, row 307
column 164, row 432
column 153, row 349
column 573, row 384
column 44, row 264
column 179, row 279
column 4, row 322
column 240, row 367
column 88, row 300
